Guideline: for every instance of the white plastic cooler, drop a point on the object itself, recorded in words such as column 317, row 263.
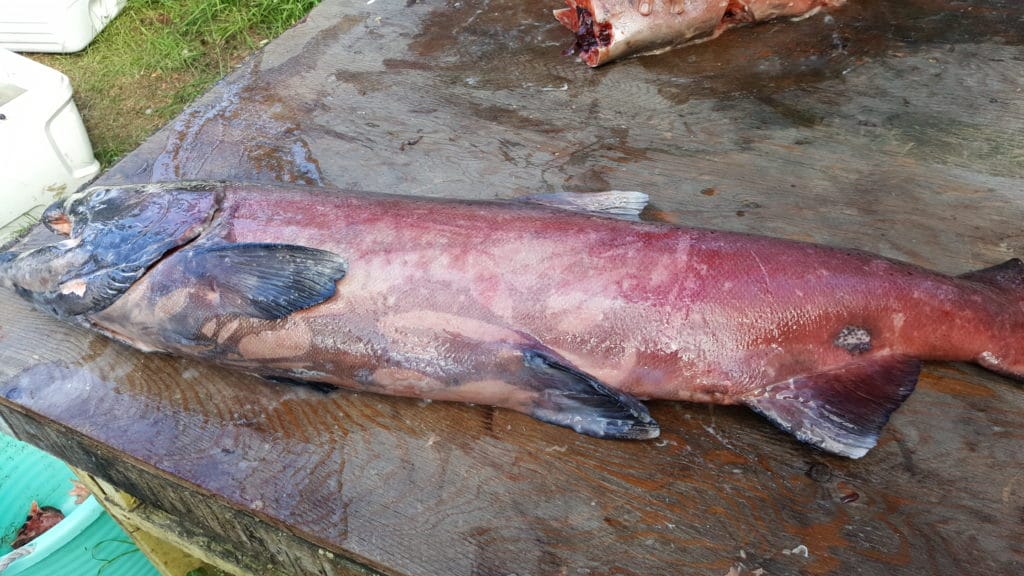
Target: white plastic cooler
column 45, row 152
column 53, row 25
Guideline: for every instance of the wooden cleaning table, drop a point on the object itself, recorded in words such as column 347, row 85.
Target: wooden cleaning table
column 891, row 126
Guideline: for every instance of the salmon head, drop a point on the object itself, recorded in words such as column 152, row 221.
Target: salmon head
column 112, row 236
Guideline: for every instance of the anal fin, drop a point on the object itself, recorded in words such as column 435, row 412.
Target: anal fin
column 571, row 398
column 841, row 411
column 489, row 364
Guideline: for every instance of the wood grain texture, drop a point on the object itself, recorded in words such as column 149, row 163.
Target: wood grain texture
column 160, row 546
column 891, row 126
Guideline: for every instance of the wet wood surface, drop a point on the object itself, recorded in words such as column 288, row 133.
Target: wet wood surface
column 889, row 126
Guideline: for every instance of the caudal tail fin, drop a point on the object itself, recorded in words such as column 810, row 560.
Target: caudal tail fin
column 1005, row 348
column 844, row 409
column 1009, row 275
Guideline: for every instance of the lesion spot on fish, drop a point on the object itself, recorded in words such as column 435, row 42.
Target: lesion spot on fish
column 227, row 331
column 854, row 339
column 209, row 329
column 75, row 286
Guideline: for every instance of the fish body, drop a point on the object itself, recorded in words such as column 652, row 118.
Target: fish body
column 570, row 317
column 607, row 30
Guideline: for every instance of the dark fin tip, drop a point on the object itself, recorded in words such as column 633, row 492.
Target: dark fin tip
column 841, row 411
column 571, row 398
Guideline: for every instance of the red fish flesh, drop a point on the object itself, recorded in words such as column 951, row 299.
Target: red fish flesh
column 38, row 521
column 607, row 30
column 568, row 316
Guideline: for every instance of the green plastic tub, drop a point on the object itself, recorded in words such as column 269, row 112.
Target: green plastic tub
column 87, row 542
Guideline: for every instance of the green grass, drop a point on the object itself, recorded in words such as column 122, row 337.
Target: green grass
column 157, row 56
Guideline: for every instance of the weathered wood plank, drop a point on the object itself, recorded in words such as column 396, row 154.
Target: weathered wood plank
column 167, row 505
column 893, row 127
column 166, row 557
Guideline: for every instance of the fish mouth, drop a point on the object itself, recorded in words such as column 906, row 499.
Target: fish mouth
column 57, row 216
column 113, row 236
column 591, row 36
column 57, row 221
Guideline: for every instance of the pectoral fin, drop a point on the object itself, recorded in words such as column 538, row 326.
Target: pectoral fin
column 571, row 398
column 841, row 411
column 266, row 281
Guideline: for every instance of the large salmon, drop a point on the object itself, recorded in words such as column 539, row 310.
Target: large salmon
column 607, row 30
column 566, row 316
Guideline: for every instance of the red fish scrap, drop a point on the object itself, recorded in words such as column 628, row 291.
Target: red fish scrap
column 39, row 520
column 607, row 30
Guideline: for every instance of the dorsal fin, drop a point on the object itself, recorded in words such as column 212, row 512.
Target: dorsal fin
column 1009, row 274
column 842, row 410
column 621, row 204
